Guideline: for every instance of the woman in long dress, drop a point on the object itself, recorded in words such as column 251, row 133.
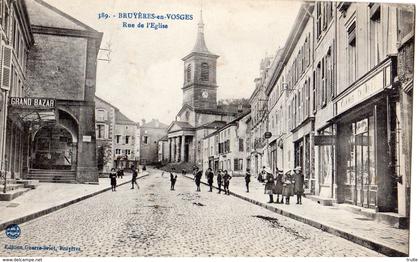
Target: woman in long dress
column 278, row 188
column 288, row 186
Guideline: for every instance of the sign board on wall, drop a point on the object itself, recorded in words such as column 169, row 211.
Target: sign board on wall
column 367, row 89
column 32, row 102
column 324, row 140
column 87, row 139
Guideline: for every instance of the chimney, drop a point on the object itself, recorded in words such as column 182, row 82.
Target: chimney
column 240, row 109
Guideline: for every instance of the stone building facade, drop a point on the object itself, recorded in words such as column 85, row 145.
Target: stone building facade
column 346, row 99
column 55, row 116
column 226, row 149
column 126, row 131
column 105, row 129
column 150, row 134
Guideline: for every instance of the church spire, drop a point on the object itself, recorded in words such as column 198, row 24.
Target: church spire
column 200, row 44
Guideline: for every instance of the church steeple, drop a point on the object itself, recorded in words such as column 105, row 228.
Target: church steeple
column 200, row 44
column 200, row 87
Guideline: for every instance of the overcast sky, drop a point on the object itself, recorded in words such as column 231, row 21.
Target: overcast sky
column 145, row 75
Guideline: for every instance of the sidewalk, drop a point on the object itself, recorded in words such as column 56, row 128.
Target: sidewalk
column 49, row 197
column 356, row 228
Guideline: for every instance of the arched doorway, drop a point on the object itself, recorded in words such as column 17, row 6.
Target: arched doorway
column 54, row 148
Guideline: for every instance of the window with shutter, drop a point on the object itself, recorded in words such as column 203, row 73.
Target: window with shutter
column 204, row 72
column 6, row 67
column 189, row 73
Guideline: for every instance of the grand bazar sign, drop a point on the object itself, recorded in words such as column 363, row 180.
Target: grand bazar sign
column 32, row 102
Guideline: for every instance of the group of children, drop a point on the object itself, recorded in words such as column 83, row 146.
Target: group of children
column 119, row 173
column 222, row 178
column 286, row 185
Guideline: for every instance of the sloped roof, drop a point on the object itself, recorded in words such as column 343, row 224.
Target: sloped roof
column 120, row 118
column 233, row 122
column 43, row 14
column 164, row 138
column 155, row 123
column 106, row 102
column 213, row 124
column 182, row 124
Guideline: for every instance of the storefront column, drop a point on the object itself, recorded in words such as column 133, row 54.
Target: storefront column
column 384, row 171
column 340, row 163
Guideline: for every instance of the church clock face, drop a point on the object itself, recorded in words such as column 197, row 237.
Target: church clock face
column 204, row 94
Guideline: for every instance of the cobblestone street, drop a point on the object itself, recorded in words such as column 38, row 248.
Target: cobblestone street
column 155, row 221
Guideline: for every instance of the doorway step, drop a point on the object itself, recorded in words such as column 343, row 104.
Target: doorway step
column 52, row 176
column 389, row 218
column 13, row 190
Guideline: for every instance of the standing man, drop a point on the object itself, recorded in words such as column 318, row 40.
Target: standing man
column 210, row 176
column 197, row 178
column 299, row 180
column 134, row 177
column 219, row 180
column 247, row 179
column 173, row 179
column 226, row 179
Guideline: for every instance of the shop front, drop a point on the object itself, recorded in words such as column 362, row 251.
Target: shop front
column 50, row 145
column 365, row 142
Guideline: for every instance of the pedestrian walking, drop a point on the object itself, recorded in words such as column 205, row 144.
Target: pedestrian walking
column 226, row 179
column 288, row 186
column 219, row 180
column 134, row 177
column 278, row 188
column 173, row 179
column 269, row 185
column 113, row 177
column 247, row 179
column 299, row 180
column 210, row 176
column 197, row 178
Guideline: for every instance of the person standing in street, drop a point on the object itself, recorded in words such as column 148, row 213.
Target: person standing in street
column 219, row 180
column 226, row 179
column 262, row 175
column 269, row 185
column 278, row 188
column 113, row 177
column 210, row 176
column 299, row 180
column 197, row 178
column 173, row 179
column 120, row 173
column 247, row 179
column 288, row 186
column 134, row 177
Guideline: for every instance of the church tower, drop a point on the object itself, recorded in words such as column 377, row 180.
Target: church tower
column 200, row 87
